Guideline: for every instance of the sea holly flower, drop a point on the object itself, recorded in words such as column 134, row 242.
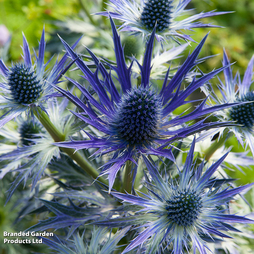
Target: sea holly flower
column 14, row 137
column 237, row 90
column 29, row 130
column 138, row 120
column 142, row 16
column 180, row 213
column 34, row 149
column 27, row 84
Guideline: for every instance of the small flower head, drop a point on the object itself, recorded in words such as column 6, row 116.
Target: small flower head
column 29, row 130
column 244, row 114
column 135, row 121
column 144, row 16
column 157, row 13
column 26, row 84
column 181, row 213
column 237, row 90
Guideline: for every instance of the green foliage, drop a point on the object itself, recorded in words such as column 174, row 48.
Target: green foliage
column 236, row 37
column 30, row 16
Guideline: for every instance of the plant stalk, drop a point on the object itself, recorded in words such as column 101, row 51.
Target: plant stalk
column 216, row 145
column 59, row 137
column 128, row 177
column 87, row 12
column 103, row 8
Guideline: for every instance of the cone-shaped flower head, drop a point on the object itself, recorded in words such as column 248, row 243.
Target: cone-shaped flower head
column 181, row 213
column 157, row 12
column 138, row 117
column 237, row 90
column 142, row 16
column 27, row 84
column 28, row 131
column 244, row 114
column 136, row 120
column 24, row 86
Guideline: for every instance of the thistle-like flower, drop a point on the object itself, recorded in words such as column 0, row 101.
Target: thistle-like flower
column 138, row 120
column 144, row 16
column 34, row 150
column 25, row 84
column 235, row 90
column 177, row 214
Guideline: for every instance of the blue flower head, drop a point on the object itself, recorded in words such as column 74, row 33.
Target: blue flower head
column 33, row 150
column 139, row 119
column 190, row 211
column 144, row 16
column 26, row 84
column 28, row 131
column 237, row 90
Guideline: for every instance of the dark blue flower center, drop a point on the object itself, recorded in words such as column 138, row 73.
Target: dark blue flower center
column 244, row 114
column 137, row 117
column 157, row 11
column 27, row 132
column 24, row 86
column 184, row 207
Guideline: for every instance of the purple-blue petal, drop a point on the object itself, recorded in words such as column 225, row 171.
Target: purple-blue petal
column 132, row 199
column 84, row 144
column 182, row 72
column 40, row 60
column 146, row 68
column 3, row 69
column 206, row 176
column 26, row 52
column 58, row 70
column 112, row 171
column 178, row 101
column 230, row 193
column 231, row 218
column 141, row 238
column 123, row 72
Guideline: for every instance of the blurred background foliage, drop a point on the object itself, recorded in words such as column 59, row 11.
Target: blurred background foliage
column 30, row 16
column 237, row 36
column 66, row 17
column 69, row 18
